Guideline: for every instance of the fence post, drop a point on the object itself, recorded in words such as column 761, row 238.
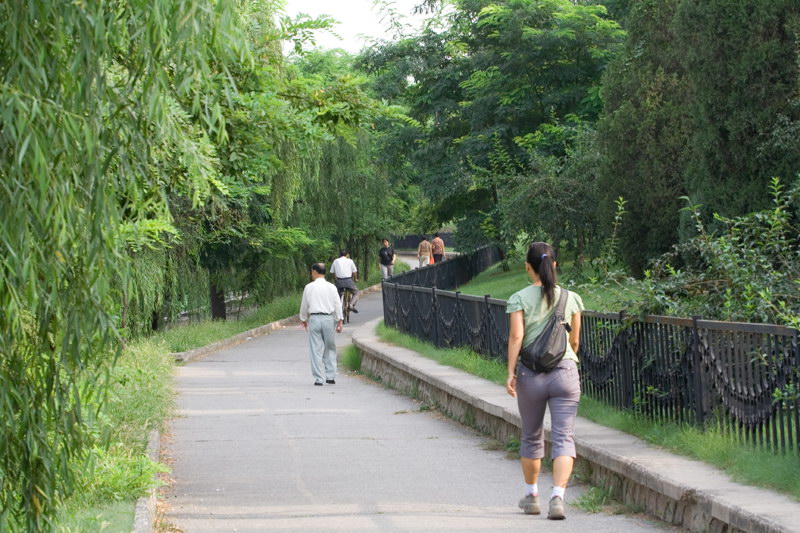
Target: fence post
column 435, row 316
column 383, row 298
column 415, row 312
column 627, row 387
column 459, row 325
column 697, row 370
column 796, row 345
column 487, row 326
column 394, row 313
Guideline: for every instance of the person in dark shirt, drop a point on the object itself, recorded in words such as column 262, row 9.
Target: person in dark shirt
column 386, row 255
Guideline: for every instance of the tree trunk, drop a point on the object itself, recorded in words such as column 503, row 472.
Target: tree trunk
column 217, row 295
column 366, row 258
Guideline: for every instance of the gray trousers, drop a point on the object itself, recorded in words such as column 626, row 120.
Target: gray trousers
column 321, row 339
column 560, row 389
column 387, row 271
column 348, row 283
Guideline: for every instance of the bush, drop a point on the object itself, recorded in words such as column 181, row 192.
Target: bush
column 748, row 270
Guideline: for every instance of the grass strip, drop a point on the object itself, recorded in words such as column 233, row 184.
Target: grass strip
column 351, row 358
column 597, row 295
column 117, row 470
column 744, row 463
column 197, row 334
column 461, row 358
column 193, row 335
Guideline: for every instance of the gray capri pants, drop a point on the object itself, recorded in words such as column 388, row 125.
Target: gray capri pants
column 561, row 390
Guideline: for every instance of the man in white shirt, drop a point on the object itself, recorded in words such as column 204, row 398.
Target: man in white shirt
column 318, row 308
column 346, row 275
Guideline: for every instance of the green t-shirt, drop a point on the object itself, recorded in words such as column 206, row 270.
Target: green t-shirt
column 536, row 313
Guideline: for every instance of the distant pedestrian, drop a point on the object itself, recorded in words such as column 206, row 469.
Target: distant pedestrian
column 424, row 252
column 437, row 248
column 321, row 315
column 529, row 311
column 387, row 257
column 346, row 274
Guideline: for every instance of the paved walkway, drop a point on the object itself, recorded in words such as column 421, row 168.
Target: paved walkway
column 257, row 447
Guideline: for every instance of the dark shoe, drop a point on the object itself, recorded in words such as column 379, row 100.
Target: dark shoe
column 353, row 310
column 530, row 504
column 556, row 509
column 330, row 382
column 318, row 383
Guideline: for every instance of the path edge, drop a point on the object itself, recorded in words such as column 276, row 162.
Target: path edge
column 144, row 515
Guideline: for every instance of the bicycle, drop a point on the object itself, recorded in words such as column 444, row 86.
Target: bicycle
column 347, row 295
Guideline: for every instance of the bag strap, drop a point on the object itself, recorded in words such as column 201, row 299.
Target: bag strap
column 562, row 304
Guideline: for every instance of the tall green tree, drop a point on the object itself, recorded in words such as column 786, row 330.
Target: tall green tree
column 644, row 134
column 742, row 62
column 92, row 113
column 350, row 199
column 702, row 104
column 498, row 74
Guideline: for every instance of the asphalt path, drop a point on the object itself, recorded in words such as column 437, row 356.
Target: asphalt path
column 409, row 258
column 255, row 446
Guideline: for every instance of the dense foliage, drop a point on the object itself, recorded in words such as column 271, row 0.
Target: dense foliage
column 152, row 157
column 687, row 98
column 93, row 136
column 701, row 103
column 748, row 271
column 493, row 88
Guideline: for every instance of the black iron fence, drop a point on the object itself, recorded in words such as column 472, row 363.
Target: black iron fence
column 743, row 378
column 451, row 272
column 412, row 241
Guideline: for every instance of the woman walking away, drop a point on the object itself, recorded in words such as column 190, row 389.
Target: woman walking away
column 530, row 311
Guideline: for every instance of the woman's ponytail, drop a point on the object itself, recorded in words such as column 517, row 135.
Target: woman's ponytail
column 541, row 257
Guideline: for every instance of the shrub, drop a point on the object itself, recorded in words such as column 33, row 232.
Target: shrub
column 747, row 270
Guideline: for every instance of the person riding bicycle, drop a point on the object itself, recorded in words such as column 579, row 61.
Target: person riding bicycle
column 346, row 273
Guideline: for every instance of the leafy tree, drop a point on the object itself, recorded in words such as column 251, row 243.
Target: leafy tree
column 91, row 117
column 743, row 64
column 498, row 73
column 349, row 199
column 644, row 134
column 700, row 104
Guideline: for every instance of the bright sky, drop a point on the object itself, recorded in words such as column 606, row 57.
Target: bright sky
column 356, row 18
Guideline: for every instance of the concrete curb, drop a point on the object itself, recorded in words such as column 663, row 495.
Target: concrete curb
column 144, row 515
column 678, row 490
column 197, row 353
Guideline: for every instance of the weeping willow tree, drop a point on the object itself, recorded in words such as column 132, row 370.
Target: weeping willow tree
column 352, row 200
column 103, row 115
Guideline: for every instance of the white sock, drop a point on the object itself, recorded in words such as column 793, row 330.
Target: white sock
column 531, row 489
column 558, row 491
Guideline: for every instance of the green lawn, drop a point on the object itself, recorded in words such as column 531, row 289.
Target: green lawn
column 597, row 295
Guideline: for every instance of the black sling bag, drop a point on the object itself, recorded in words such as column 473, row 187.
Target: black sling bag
column 544, row 353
